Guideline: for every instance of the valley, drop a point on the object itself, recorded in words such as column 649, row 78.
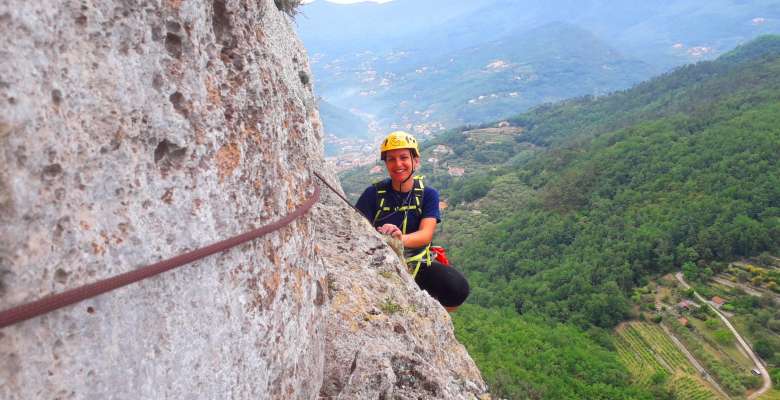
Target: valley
column 431, row 66
column 568, row 219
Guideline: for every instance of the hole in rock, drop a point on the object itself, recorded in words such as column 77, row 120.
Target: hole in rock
column 173, row 45
column 179, row 104
column 56, row 97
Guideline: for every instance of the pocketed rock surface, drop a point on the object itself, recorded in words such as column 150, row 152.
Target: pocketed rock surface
column 134, row 131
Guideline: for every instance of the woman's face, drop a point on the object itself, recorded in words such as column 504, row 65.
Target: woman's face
column 400, row 163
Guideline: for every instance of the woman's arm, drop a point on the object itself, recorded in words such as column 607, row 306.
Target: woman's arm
column 422, row 236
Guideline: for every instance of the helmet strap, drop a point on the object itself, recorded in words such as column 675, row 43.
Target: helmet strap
column 411, row 174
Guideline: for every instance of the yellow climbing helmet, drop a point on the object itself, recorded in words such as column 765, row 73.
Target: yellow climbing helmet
column 399, row 140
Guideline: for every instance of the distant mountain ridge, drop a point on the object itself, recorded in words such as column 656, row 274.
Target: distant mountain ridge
column 440, row 25
column 501, row 78
column 367, row 56
column 493, row 80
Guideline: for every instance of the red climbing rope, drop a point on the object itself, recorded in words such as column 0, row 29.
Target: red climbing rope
column 53, row 302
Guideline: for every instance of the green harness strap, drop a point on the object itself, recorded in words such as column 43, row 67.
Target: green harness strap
column 418, row 189
column 425, row 254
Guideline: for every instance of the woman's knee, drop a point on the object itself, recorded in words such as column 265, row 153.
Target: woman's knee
column 458, row 291
column 444, row 283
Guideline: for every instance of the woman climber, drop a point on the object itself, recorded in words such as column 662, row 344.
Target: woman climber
column 402, row 207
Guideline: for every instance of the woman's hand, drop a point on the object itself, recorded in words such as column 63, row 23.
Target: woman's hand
column 390, row 229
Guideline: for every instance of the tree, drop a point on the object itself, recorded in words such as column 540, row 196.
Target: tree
column 748, row 235
column 718, row 267
column 690, row 271
column 765, row 259
column 752, row 381
column 686, row 254
column 766, row 301
column 774, row 324
column 659, row 378
column 723, row 337
column 775, row 374
column 764, row 348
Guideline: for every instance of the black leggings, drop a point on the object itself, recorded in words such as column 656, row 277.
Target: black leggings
column 443, row 283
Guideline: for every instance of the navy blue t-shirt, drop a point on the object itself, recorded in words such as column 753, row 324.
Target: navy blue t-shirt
column 368, row 202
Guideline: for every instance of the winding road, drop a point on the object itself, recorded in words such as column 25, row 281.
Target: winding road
column 759, row 364
column 702, row 372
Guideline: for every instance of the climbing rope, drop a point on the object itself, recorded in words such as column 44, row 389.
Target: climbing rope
column 56, row 301
column 337, row 193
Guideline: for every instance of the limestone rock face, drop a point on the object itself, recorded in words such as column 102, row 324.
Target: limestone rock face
column 133, row 131
column 386, row 339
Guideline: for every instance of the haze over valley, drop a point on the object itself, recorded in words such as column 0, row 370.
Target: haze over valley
column 426, row 66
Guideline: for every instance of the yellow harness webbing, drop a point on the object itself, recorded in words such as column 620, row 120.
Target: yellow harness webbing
column 418, row 189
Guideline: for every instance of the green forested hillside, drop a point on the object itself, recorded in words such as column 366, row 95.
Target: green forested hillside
column 557, row 224
column 526, row 358
column 617, row 196
column 550, row 62
column 736, row 81
column 639, row 201
column 624, row 189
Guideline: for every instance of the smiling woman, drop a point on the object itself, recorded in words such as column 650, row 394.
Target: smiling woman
column 403, row 207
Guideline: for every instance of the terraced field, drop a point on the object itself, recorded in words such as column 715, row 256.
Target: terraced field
column 640, row 362
column 688, row 387
column 648, row 353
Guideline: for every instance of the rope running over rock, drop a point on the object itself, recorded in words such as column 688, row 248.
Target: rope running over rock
column 56, row 301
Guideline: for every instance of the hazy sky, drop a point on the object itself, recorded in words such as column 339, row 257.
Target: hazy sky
column 351, row 1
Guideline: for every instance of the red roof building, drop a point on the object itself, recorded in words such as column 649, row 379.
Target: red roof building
column 687, row 305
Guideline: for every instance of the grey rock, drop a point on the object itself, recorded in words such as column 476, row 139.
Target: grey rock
column 134, row 131
column 385, row 338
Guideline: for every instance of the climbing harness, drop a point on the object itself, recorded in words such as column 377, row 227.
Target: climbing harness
column 416, row 256
column 383, row 211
